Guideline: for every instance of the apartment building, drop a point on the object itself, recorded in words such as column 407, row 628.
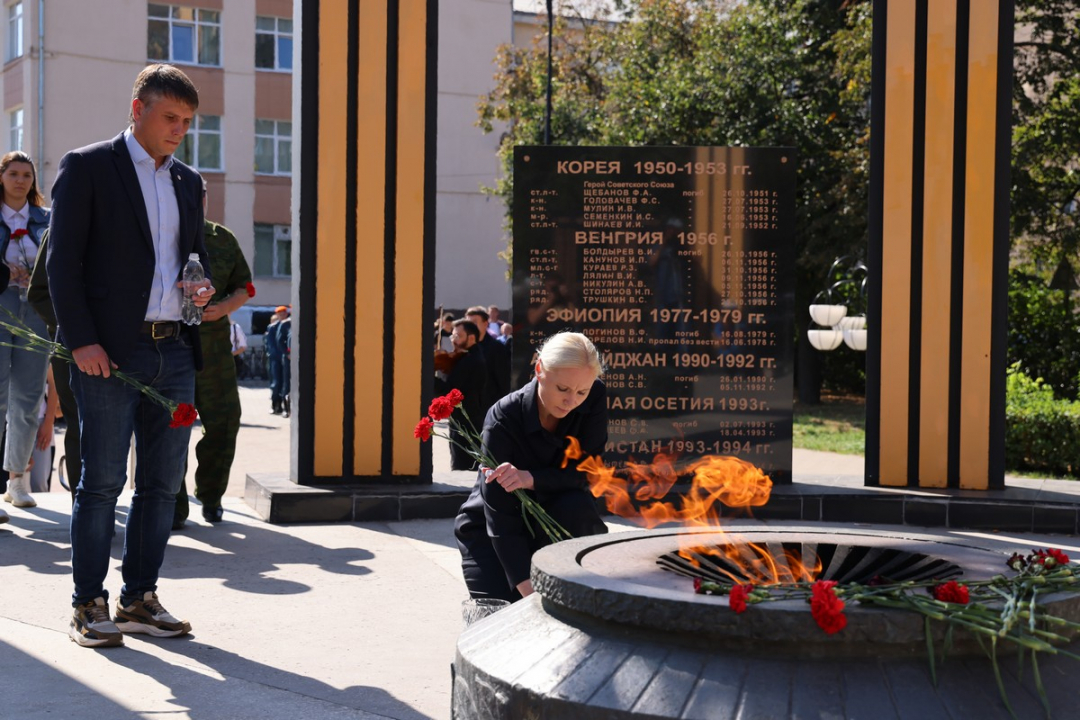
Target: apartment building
column 66, row 82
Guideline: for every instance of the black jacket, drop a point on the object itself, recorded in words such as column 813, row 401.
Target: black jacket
column 469, row 375
column 100, row 260
column 497, row 357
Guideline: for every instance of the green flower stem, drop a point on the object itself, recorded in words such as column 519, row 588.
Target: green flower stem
column 42, row 346
column 1051, row 619
column 531, row 510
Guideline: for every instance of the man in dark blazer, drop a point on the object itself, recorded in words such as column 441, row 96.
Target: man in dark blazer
column 497, row 357
column 126, row 216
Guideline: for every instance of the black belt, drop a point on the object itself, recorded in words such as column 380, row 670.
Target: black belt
column 161, row 329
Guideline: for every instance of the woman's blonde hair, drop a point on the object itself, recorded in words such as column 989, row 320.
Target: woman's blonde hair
column 570, row 350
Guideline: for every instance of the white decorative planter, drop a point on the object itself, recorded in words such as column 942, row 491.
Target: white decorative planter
column 853, row 322
column 827, row 339
column 827, row 315
column 855, row 339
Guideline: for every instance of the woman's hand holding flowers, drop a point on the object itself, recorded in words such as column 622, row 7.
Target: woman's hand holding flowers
column 510, row 478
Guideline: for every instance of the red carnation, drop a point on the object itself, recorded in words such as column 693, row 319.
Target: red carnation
column 251, row 290
column 1058, row 557
column 423, row 429
column 21, row 232
column 737, row 597
column 455, row 397
column 1062, row 558
column 952, row 592
column 827, row 609
column 183, row 416
column 697, row 585
column 441, row 408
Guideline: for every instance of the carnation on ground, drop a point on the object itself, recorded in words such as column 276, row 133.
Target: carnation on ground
column 952, row 592
column 737, row 597
column 826, row 608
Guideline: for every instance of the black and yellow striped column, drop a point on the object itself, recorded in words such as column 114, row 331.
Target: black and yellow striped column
column 366, row 239
column 939, row 243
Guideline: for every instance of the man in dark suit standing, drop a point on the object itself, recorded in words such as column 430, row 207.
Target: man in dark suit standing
column 126, row 215
column 497, row 357
column 469, row 375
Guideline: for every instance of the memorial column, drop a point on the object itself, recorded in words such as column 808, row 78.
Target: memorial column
column 364, row 261
column 939, row 243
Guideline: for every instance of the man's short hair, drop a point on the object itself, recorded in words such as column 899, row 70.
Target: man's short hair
column 469, row 327
column 162, row 80
column 478, row 310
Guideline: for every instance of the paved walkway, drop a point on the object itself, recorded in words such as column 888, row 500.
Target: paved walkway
column 304, row 621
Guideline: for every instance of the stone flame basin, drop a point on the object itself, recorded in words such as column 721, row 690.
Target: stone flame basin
column 615, row 631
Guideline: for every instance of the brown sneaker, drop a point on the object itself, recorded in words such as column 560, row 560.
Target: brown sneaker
column 92, row 627
column 147, row 616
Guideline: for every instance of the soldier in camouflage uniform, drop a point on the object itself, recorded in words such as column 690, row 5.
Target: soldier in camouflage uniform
column 216, row 396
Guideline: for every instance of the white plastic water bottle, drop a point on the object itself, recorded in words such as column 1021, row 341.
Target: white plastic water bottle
column 191, row 313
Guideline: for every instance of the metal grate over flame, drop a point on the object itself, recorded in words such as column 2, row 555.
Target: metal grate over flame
column 772, row 563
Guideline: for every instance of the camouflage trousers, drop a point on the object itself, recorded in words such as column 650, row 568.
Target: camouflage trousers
column 218, row 402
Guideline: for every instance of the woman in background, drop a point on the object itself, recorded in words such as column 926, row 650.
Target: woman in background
column 22, row 372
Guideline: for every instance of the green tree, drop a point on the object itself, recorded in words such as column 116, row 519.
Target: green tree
column 1046, row 129
column 1044, row 332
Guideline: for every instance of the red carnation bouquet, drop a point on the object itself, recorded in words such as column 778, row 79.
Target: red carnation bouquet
column 999, row 609
column 442, row 408
column 182, row 414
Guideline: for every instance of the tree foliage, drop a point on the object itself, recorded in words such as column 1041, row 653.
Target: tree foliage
column 1046, row 129
column 1043, row 336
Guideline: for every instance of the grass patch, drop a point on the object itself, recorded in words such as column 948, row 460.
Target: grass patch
column 837, row 425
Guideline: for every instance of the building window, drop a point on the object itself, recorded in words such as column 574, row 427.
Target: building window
column 273, row 147
column 273, row 250
column 273, row 43
column 15, row 31
column 184, row 35
column 15, row 136
column 201, row 147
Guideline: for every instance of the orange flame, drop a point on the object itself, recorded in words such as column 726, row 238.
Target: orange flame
column 727, row 480
column 754, row 563
column 637, row 493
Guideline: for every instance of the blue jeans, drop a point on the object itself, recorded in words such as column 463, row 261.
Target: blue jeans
column 22, row 382
column 110, row 411
column 276, row 379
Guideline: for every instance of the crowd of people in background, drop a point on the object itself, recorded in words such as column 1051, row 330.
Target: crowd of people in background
column 472, row 355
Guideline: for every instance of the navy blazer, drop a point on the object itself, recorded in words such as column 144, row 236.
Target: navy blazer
column 100, row 257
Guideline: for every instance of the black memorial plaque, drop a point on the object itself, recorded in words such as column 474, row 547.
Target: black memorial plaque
column 678, row 262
